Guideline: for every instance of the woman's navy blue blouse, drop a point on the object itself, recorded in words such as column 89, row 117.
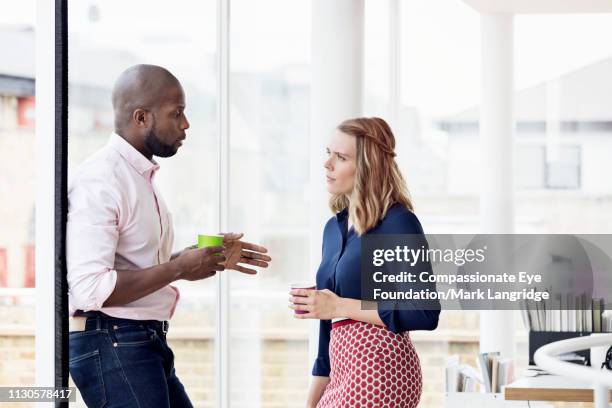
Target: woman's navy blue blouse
column 340, row 272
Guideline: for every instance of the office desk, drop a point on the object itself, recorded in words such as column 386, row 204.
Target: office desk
column 548, row 388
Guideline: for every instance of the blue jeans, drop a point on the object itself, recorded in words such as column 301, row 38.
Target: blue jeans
column 125, row 363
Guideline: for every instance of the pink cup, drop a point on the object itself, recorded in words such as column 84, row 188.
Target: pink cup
column 302, row 285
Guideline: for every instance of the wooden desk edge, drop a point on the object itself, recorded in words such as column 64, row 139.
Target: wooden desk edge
column 549, row 394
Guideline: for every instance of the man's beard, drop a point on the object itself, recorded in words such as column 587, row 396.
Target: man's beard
column 157, row 147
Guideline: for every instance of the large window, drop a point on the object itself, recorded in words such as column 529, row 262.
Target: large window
column 268, row 160
column 17, row 194
column 562, row 132
column 107, row 37
column 562, row 86
column 269, row 81
column 430, row 97
column 564, row 126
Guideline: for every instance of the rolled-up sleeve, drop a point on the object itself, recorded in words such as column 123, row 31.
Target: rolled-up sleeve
column 92, row 234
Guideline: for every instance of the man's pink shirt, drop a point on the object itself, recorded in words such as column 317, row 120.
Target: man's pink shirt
column 117, row 220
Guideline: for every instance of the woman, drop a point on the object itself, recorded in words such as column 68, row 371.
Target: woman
column 365, row 357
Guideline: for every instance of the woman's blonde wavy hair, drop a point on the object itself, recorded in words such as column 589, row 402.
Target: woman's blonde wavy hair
column 378, row 181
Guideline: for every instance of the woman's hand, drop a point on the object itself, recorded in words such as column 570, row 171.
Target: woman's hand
column 326, row 305
column 319, row 304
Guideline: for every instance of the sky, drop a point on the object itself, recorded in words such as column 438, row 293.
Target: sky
column 440, row 41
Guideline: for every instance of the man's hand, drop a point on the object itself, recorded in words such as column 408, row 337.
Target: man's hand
column 176, row 254
column 238, row 252
column 200, row 263
column 190, row 264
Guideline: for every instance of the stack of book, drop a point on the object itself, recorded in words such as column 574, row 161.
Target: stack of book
column 565, row 313
column 496, row 371
column 460, row 377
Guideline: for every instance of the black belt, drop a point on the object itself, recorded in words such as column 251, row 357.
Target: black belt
column 158, row 325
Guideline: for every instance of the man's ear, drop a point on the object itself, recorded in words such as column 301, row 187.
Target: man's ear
column 140, row 117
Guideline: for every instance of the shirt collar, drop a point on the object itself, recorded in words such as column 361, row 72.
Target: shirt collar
column 342, row 215
column 142, row 165
column 342, row 219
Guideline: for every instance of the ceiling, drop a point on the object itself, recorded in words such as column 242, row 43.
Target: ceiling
column 541, row 6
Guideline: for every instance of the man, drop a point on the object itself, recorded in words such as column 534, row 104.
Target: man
column 119, row 240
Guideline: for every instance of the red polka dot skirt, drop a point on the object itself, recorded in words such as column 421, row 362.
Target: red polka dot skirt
column 371, row 367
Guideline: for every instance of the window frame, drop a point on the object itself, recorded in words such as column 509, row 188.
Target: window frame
column 51, row 336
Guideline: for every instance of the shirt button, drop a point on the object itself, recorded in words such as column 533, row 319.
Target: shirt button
column 115, row 327
column 114, row 344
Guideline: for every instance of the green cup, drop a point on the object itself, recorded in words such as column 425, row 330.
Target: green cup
column 209, row 240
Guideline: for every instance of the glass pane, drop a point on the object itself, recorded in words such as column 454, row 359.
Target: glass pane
column 530, row 167
column 269, row 172
column 562, row 104
column 564, row 165
column 436, row 131
column 106, row 37
column 17, row 195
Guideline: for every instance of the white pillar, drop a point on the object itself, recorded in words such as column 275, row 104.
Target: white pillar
column 497, row 141
column 45, row 195
column 336, row 94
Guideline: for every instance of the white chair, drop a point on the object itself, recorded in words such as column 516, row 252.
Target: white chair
column 546, row 358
